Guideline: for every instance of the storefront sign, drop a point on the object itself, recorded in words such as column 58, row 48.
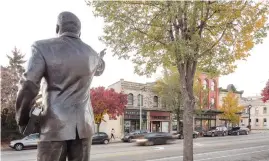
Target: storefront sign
column 206, row 117
column 134, row 114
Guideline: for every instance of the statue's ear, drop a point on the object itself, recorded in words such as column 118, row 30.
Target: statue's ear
column 79, row 34
column 57, row 29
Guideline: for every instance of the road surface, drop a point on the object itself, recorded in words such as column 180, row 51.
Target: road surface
column 253, row 147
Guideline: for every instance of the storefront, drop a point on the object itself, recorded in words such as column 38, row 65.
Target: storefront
column 159, row 121
column 206, row 119
column 132, row 120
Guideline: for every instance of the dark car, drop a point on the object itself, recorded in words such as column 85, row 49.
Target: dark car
column 201, row 130
column 217, row 131
column 100, row 138
column 238, row 131
column 134, row 135
column 157, row 138
column 179, row 135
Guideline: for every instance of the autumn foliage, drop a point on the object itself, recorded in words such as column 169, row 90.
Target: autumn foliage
column 265, row 92
column 231, row 107
column 107, row 101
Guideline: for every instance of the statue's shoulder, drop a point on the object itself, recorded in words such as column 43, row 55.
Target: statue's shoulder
column 44, row 42
column 92, row 51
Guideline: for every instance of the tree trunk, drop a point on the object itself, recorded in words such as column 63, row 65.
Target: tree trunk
column 188, row 129
column 98, row 127
column 187, row 71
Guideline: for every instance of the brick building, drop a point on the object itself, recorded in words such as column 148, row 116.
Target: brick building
column 207, row 106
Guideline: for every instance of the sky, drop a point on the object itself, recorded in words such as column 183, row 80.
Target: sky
column 30, row 20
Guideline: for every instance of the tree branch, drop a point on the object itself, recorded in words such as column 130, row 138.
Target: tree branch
column 216, row 43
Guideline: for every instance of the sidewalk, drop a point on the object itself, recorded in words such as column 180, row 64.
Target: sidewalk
column 253, row 131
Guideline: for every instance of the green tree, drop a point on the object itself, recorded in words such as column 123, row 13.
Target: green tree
column 10, row 76
column 168, row 90
column 209, row 35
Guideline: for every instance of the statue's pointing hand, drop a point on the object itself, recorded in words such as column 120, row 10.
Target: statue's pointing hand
column 102, row 53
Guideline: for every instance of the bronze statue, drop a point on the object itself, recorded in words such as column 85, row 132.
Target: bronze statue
column 67, row 65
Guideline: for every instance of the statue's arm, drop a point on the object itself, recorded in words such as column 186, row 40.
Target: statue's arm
column 100, row 68
column 29, row 87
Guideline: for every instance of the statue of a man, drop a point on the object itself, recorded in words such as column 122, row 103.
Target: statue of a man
column 67, row 65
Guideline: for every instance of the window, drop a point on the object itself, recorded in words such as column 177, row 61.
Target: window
column 212, row 102
column 205, row 84
column 155, row 101
column 212, row 86
column 138, row 100
column 256, row 111
column 130, row 99
column 264, row 122
column 257, row 122
column 264, row 110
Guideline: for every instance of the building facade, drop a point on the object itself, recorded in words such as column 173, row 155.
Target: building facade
column 154, row 117
column 206, row 115
column 259, row 113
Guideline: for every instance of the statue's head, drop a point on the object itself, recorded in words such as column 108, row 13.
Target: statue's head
column 68, row 22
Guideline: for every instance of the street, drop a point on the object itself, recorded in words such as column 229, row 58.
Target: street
column 253, row 147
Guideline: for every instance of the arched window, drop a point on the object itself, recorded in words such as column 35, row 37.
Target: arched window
column 212, row 101
column 130, row 99
column 138, row 100
column 205, row 84
column 213, row 86
column 155, row 101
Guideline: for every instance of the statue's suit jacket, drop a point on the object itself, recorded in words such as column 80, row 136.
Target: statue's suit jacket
column 68, row 66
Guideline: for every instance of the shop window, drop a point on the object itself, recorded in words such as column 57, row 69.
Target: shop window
column 140, row 101
column 130, row 99
column 264, row 110
column 264, row 122
column 155, row 101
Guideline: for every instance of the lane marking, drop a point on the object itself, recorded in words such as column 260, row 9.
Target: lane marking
column 159, row 148
column 225, row 156
column 199, row 154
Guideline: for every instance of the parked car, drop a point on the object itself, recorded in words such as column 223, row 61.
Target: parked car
column 100, row 138
column 134, row 135
column 157, row 138
column 238, row 131
column 217, row 131
column 179, row 135
column 28, row 141
column 201, row 130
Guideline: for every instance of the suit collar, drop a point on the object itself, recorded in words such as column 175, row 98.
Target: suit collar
column 70, row 34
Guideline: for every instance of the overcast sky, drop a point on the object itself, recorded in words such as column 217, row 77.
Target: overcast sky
column 23, row 22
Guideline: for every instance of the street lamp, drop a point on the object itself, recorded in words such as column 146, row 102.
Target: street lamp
column 140, row 107
column 249, row 107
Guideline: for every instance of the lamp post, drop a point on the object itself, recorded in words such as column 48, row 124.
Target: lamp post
column 140, row 107
column 249, row 107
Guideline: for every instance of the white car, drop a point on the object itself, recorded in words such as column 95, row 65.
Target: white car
column 28, row 141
